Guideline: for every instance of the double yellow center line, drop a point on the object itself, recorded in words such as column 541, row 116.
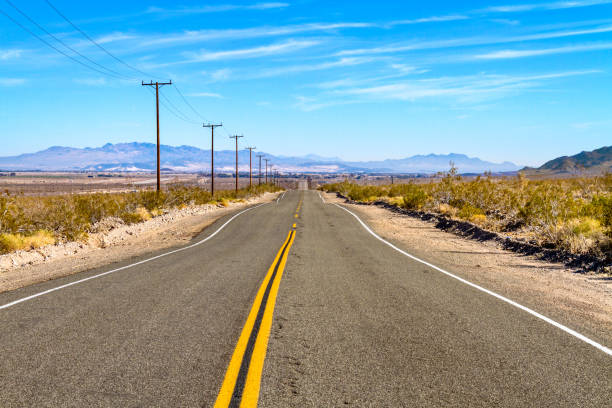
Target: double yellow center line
column 297, row 210
column 242, row 380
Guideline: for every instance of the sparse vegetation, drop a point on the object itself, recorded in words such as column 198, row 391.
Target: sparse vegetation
column 28, row 222
column 574, row 214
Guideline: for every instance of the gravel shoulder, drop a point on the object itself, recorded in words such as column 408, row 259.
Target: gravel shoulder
column 582, row 301
column 113, row 242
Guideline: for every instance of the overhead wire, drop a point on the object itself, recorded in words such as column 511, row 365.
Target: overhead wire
column 95, row 42
column 175, row 111
column 188, row 104
column 84, row 34
column 165, row 106
column 168, row 105
column 111, row 72
column 51, row 45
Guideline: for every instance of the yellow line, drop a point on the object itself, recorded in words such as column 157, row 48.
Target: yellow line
column 294, row 225
column 227, row 388
column 295, row 215
column 250, row 394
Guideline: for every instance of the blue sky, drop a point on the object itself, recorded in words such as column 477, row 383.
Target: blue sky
column 518, row 81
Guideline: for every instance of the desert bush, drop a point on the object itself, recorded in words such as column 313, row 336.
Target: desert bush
column 15, row 242
column 572, row 213
column 31, row 221
column 468, row 211
column 414, row 197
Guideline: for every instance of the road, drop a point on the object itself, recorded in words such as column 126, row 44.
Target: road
column 289, row 304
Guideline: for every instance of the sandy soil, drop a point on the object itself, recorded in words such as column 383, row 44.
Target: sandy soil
column 579, row 300
column 112, row 241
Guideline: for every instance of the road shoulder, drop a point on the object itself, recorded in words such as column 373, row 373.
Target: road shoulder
column 581, row 301
column 178, row 227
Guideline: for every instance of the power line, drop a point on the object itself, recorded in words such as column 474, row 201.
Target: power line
column 188, row 104
column 169, row 109
column 113, row 72
column 180, row 113
column 94, row 42
column 51, row 45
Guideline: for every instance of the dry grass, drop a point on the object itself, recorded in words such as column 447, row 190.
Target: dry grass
column 14, row 242
column 33, row 221
column 574, row 214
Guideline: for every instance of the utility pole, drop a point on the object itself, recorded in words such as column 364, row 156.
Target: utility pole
column 260, row 156
column 157, row 85
column 250, row 149
column 267, row 160
column 236, row 137
column 212, row 155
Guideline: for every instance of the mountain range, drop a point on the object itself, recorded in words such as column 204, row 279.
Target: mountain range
column 142, row 157
column 593, row 162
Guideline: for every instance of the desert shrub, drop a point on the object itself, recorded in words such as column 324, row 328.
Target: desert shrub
column 139, row 215
column 14, row 242
column 572, row 213
column 447, row 209
column 71, row 217
column 479, row 219
column 414, row 197
column 468, row 211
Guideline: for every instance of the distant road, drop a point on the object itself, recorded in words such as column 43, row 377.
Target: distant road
column 289, row 304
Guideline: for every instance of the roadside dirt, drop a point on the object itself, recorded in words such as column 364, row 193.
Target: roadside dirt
column 113, row 240
column 577, row 299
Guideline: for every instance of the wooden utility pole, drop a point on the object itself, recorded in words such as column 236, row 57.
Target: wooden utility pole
column 250, row 149
column 267, row 160
column 157, row 85
column 236, row 137
column 260, row 156
column 212, row 155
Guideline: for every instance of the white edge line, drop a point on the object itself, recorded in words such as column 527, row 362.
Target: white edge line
column 280, row 197
column 487, row 291
column 321, row 197
column 127, row 266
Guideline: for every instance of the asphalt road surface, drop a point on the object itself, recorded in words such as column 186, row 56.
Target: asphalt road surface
column 289, row 304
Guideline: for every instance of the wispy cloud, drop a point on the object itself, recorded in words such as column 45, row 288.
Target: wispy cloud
column 511, row 54
column 462, row 89
column 216, row 9
column 254, row 52
column 309, row 104
column 116, row 36
column 292, row 69
column 557, row 5
column 432, row 19
column 195, row 36
column 471, row 41
column 241, row 53
column 219, row 74
column 205, row 95
column 10, row 54
column 506, row 21
column 12, row 81
column 467, row 86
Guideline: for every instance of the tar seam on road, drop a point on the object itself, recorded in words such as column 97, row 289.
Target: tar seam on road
column 242, row 380
column 127, row 266
column 487, row 291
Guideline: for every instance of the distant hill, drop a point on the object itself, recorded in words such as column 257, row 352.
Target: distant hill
column 142, row 157
column 597, row 161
